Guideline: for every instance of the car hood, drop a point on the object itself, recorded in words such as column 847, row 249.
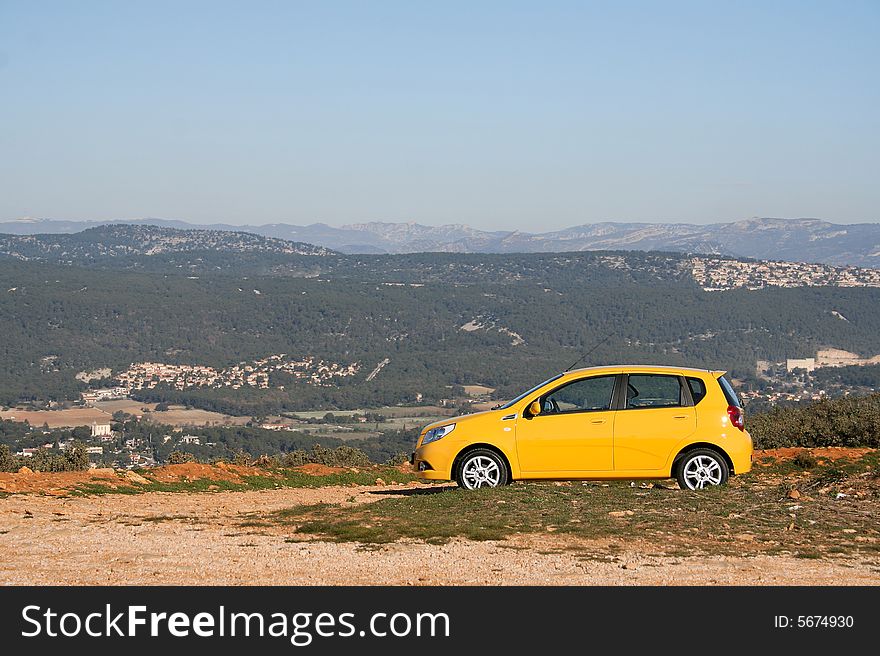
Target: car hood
column 460, row 419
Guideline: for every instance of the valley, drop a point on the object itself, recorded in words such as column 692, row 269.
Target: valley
column 222, row 342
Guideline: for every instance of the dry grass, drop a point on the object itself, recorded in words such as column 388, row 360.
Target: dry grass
column 477, row 390
column 836, row 512
column 58, row 418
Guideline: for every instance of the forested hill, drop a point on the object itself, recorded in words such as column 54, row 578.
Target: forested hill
column 199, row 252
column 400, row 328
column 161, row 249
column 126, row 241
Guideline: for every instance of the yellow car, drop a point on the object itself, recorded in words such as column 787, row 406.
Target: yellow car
column 630, row 422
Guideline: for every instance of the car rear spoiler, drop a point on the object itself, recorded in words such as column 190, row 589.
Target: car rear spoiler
column 718, row 374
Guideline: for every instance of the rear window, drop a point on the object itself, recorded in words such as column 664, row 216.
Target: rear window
column 729, row 393
column 698, row 389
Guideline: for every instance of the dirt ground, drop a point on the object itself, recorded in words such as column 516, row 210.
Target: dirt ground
column 63, row 483
column 191, row 538
column 831, row 453
column 51, row 535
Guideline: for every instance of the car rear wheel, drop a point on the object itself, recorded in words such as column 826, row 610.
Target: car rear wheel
column 700, row 469
column 481, row 468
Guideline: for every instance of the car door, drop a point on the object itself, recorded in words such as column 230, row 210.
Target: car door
column 574, row 431
column 657, row 414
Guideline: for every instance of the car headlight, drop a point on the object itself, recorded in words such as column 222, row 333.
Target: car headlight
column 436, row 433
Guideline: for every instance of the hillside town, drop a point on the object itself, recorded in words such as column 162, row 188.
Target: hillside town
column 795, row 380
column 827, row 357
column 257, row 374
column 721, row 273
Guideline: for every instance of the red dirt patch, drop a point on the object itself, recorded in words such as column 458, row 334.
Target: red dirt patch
column 58, row 483
column 314, row 469
column 190, row 471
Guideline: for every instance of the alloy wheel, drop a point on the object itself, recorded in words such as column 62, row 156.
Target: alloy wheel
column 702, row 470
column 480, row 471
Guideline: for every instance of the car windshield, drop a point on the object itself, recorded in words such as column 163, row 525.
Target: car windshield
column 525, row 394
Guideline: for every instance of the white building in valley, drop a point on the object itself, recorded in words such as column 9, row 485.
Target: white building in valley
column 101, row 430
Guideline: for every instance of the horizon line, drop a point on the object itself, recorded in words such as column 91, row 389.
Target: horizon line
column 353, row 224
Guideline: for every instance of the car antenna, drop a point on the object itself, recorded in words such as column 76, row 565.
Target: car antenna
column 584, row 356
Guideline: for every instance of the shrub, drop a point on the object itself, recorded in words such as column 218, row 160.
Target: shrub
column 398, row 459
column 848, row 421
column 75, row 458
column 241, row 457
column 180, row 457
column 342, row 456
column 805, row 460
column 270, row 462
column 7, row 460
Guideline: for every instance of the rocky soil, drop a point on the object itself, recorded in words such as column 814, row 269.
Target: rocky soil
column 215, row 538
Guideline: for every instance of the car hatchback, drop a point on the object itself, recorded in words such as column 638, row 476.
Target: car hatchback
column 612, row 422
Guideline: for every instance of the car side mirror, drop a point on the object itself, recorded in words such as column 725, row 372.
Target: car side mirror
column 534, row 408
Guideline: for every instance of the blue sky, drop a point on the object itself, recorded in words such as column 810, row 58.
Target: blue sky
column 502, row 115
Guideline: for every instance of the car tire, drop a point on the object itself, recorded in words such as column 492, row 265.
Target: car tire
column 701, row 468
column 481, row 468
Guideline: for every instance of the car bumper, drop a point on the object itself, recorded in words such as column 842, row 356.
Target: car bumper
column 741, row 455
column 432, row 463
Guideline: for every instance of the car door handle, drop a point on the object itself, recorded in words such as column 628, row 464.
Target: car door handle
column 598, row 421
column 680, row 417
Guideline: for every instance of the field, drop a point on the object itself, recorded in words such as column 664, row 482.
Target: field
column 397, row 418
column 102, row 413
column 801, row 517
column 478, row 390
column 176, row 415
column 423, row 413
column 58, row 418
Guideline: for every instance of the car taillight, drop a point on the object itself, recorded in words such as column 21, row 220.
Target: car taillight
column 736, row 416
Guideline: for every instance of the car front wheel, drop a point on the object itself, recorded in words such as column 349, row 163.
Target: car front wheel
column 481, row 468
column 700, row 469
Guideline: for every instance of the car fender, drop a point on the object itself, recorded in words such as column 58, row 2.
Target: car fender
column 508, row 450
column 694, row 438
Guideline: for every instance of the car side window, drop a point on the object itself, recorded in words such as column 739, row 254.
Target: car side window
column 698, row 389
column 585, row 395
column 653, row 391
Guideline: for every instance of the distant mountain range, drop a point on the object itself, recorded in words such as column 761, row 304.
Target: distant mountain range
column 143, row 239
column 154, row 248
column 801, row 240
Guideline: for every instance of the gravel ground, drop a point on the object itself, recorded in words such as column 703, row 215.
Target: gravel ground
column 198, row 539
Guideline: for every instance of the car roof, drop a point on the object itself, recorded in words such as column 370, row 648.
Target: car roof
column 652, row 368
